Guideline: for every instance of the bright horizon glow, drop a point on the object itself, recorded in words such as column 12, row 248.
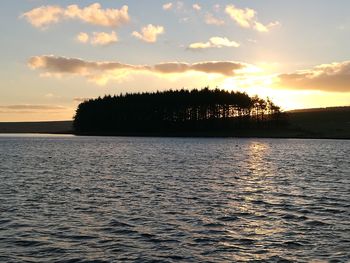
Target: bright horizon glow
column 57, row 53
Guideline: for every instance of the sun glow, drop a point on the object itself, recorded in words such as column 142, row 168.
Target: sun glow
column 287, row 99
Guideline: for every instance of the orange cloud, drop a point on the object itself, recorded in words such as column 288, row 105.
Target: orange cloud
column 31, row 107
column 44, row 16
column 83, row 37
column 211, row 20
column 93, row 14
column 103, row 72
column 80, row 99
column 168, row 6
column 149, row 33
column 103, row 39
column 334, row 77
column 98, row 38
column 247, row 18
column 214, row 42
column 176, row 6
column 196, row 7
column 227, row 68
column 8, row 111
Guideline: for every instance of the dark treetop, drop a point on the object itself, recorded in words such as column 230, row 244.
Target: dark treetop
column 175, row 112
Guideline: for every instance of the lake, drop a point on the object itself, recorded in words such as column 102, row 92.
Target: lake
column 123, row 199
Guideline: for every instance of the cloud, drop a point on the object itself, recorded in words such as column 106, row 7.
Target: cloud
column 334, row 77
column 149, row 33
column 168, row 6
column 93, row 14
column 227, row 68
column 247, row 18
column 98, row 38
column 211, row 20
column 31, row 107
column 80, row 99
column 214, row 42
column 103, row 39
column 196, row 7
column 83, row 37
column 54, row 64
column 44, row 16
column 102, row 72
column 177, row 6
column 49, row 95
column 21, row 109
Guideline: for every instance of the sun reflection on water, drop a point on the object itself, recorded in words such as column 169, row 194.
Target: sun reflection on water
column 253, row 204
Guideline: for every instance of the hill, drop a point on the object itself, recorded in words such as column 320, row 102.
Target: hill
column 53, row 127
column 333, row 123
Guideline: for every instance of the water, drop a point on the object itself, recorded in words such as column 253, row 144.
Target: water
column 89, row 199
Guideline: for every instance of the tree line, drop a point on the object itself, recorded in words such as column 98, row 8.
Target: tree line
column 175, row 111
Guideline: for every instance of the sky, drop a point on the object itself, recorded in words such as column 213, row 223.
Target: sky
column 55, row 54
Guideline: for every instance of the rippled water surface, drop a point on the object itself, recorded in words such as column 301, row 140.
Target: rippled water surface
column 89, row 199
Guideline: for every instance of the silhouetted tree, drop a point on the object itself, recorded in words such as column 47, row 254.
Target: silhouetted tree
column 173, row 111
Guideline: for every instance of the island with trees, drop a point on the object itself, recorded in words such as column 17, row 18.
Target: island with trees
column 196, row 113
column 204, row 112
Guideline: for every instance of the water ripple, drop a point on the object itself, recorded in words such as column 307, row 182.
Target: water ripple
column 89, row 199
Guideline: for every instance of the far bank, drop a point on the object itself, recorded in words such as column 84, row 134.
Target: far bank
column 322, row 123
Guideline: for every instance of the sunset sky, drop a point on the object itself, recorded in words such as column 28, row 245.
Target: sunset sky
column 54, row 54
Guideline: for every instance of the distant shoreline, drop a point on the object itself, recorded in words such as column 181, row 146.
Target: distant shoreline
column 208, row 136
column 327, row 123
column 187, row 135
column 40, row 127
column 201, row 135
